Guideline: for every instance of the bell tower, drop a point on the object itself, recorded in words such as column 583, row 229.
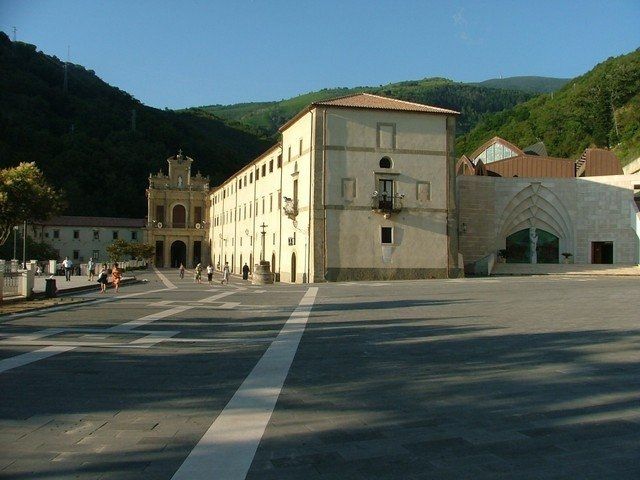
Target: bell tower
column 179, row 170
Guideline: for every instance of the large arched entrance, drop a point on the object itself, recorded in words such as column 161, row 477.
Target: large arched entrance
column 519, row 247
column 293, row 268
column 178, row 254
column 179, row 217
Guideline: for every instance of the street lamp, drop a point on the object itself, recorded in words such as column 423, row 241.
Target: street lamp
column 24, row 246
column 15, row 234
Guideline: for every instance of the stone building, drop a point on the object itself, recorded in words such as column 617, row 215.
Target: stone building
column 82, row 238
column 360, row 187
column 176, row 214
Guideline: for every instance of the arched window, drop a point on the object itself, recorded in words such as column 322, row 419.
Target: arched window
column 385, row 162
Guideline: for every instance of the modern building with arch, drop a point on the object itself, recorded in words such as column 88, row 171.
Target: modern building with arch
column 176, row 214
column 527, row 207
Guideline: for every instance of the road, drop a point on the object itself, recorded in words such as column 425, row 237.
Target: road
column 523, row 377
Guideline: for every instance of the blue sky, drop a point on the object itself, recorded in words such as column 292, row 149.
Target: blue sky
column 187, row 53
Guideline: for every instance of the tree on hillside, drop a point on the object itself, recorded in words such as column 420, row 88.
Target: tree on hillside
column 25, row 195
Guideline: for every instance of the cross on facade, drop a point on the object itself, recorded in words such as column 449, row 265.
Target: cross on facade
column 263, row 233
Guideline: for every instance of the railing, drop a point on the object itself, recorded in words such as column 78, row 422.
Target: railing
column 386, row 204
column 581, row 165
column 11, row 284
column 290, row 208
column 179, row 225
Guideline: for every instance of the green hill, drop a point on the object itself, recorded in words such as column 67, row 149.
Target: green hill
column 600, row 108
column 526, row 84
column 84, row 142
column 473, row 101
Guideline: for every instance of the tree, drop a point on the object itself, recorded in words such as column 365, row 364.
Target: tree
column 141, row 251
column 25, row 195
column 117, row 250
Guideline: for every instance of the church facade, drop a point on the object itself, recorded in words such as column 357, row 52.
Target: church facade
column 176, row 214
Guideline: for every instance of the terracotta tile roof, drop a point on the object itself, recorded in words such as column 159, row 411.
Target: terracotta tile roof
column 374, row 102
column 70, row 221
column 368, row 100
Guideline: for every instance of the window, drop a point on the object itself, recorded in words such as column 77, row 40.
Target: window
column 257, row 173
column 56, row 234
column 240, row 241
column 159, row 214
column 240, row 184
column 96, row 234
column 274, row 238
column 271, row 165
column 249, row 210
column 115, row 234
column 263, row 205
column 279, row 199
column 76, row 254
column 385, row 194
column 279, row 161
column 295, row 193
column 300, row 147
column 385, row 162
column 46, row 234
column 76, row 234
column 289, row 154
column 245, row 180
column 134, row 235
column 386, row 235
column 271, row 202
column 95, row 254
column 264, row 169
column 251, row 177
column 197, row 214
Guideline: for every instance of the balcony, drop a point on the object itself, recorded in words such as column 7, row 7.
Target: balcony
column 386, row 203
column 290, row 208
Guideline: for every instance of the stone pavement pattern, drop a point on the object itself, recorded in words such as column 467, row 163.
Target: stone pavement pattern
column 480, row 378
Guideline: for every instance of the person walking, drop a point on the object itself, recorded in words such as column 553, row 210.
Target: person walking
column 68, row 267
column 90, row 269
column 198, row 276
column 225, row 273
column 245, row 271
column 181, row 270
column 210, row 273
column 103, row 278
column 116, row 275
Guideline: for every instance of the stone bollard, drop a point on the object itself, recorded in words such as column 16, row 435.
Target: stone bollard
column 53, row 265
column 262, row 274
column 27, row 281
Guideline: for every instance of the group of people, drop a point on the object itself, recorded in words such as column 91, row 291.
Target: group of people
column 103, row 275
column 226, row 273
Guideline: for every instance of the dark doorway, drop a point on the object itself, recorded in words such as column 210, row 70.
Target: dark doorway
column 293, row 268
column 273, row 263
column 159, row 253
column 179, row 217
column 197, row 252
column 178, row 254
column 602, row 252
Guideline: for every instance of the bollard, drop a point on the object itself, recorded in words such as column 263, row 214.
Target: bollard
column 50, row 288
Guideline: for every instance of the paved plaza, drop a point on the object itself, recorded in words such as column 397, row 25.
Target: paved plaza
column 485, row 378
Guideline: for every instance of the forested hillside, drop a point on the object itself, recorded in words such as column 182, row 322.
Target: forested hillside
column 600, row 108
column 473, row 101
column 528, row 84
column 85, row 140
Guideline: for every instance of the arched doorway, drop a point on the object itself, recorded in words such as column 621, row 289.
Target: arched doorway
column 179, row 217
column 293, row 268
column 519, row 247
column 178, row 254
column 273, row 263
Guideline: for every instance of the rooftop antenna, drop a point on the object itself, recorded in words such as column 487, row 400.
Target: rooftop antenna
column 14, row 34
column 65, row 85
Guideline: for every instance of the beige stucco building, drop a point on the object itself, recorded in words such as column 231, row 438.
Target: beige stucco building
column 360, row 187
column 176, row 214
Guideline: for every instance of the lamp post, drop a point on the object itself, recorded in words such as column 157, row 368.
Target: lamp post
column 15, row 234
column 24, row 246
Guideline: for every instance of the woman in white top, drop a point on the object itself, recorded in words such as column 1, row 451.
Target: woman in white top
column 225, row 273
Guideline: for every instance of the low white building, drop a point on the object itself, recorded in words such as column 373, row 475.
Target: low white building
column 82, row 238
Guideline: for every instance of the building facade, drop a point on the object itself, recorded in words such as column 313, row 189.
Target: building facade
column 82, row 238
column 176, row 214
column 360, row 187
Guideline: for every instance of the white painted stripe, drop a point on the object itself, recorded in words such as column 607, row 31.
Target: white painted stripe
column 30, row 357
column 164, row 279
column 226, row 450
